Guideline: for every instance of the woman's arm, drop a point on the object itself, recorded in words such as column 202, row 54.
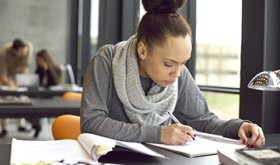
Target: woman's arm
column 102, row 112
column 192, row 110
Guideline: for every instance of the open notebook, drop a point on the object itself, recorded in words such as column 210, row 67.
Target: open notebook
column 204, row 144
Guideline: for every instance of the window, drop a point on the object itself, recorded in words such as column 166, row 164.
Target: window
column 142, row 11
column 224, row 105
column 218, row 40
column 218, row 47
column 94, row 26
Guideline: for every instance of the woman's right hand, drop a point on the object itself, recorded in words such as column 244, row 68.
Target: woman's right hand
column 176, row 134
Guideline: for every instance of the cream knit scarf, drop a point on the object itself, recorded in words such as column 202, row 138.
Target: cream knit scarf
column 150, row 109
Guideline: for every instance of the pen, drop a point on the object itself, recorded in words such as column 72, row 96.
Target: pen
column 173, row 118
column 178, row 122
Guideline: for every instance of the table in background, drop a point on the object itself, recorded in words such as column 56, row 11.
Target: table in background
column 138, row 159
column 41, row 107
column 39, row 91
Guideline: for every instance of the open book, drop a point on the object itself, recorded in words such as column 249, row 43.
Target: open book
column 88, row 148
column 204, row 144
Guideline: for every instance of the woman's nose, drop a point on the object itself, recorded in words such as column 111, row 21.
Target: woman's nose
column 176, row 73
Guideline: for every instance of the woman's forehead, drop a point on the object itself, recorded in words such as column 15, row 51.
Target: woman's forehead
column 174, row 48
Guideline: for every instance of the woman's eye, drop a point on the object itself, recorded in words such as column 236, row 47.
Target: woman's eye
column 168, row 64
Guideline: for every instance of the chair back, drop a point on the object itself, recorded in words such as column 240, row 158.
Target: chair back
column 66, row 127
column 72, row 96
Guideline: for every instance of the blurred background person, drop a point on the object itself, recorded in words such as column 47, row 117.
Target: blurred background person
column 50, row 74
column 15, row 57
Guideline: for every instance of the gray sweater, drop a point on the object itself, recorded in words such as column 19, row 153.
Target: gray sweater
column 102, row 112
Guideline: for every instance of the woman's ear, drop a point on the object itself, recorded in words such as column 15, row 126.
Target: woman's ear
column 141, row 50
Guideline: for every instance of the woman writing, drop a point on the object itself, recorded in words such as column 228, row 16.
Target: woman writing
column 129, row 87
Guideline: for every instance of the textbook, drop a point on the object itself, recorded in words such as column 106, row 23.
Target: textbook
column 204, row 144
column 252, row 156
column 88, row 148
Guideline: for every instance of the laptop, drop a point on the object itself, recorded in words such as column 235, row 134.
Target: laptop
column 27, row 80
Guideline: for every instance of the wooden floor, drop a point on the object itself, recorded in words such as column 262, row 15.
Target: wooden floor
column 45, row 133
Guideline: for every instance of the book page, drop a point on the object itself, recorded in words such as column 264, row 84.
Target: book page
column 218, row 138
column 88, row 141
column 31, row 152
column 199, row 147
column 138, row 147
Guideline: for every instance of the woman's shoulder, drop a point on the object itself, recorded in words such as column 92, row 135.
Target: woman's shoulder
column 186, row 81
column 102, row 59
column 5, row 50
column 106, row 52
column 185, row 74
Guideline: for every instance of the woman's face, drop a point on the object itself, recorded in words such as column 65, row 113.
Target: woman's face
column 163, row 64
column 41, row 62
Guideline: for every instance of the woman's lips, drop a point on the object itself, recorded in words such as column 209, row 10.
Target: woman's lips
column 169, row 82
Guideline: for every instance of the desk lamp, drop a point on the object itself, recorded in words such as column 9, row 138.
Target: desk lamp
column 266, row 81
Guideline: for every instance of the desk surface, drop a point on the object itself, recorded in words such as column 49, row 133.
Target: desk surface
column 39, row 91
column 41, row 107
column 137, row 159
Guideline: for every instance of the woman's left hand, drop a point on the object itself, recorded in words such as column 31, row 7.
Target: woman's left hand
column 251, row 134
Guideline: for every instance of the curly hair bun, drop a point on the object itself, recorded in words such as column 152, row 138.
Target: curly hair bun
column 162, row 6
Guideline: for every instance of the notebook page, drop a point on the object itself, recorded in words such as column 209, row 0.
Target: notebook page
column 199, row 147
column 31, row 152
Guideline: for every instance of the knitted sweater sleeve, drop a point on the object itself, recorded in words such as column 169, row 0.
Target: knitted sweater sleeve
column 98, row 116
column 192, row 110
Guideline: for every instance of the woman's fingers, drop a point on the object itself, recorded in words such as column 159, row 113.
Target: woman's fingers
column 177, row 134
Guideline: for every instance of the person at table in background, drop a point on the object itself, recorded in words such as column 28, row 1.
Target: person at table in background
column 50, row 74
column 129, row 87
column 15, row 58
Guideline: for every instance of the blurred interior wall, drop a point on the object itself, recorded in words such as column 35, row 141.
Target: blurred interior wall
column 44, row 23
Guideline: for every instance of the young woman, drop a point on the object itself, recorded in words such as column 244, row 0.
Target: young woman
column 49, row 72
column 129, row 87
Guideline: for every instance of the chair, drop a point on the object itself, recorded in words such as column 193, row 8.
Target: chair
column 72, row 96
column 66, row 127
